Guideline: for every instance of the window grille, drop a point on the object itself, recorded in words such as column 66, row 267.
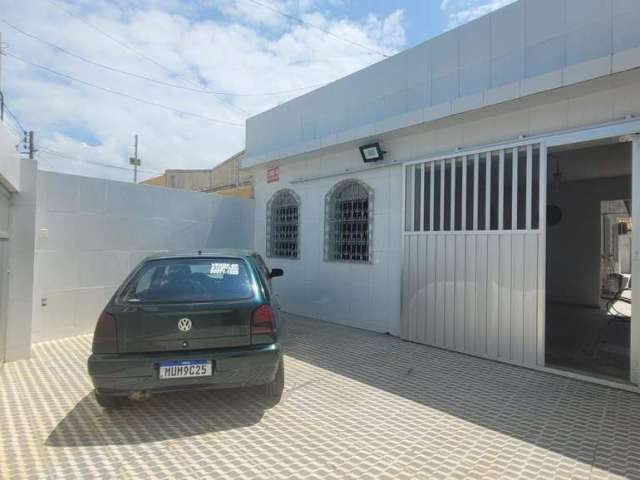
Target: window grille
column 493, row 190
column 348, row 228
column 283, row 216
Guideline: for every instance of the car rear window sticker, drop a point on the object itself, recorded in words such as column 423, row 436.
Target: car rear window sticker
column 219, row 270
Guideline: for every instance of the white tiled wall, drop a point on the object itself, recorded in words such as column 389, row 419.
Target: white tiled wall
column 368, row 296
column 21, row 263
column 90, row 233
column 527, row 47
column 360, row 295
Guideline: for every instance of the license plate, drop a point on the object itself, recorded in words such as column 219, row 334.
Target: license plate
column 185, row 368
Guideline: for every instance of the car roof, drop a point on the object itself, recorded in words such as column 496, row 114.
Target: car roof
column 218, row 252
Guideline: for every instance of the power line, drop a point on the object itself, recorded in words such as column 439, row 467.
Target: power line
column 151, row 79
column 56, row 4
column 144, row 77
column 102, row 65
column 324, row 30
column 122, row 94
column 15, row 118
column 66, row 156
column 140, row 54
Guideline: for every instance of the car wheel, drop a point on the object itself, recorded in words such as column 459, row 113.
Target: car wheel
column 276, row 387
column 109, row 401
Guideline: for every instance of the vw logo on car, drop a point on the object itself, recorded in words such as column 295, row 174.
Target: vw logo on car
column 184, row 324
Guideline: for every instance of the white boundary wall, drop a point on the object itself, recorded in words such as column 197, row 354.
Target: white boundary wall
column 90, row 233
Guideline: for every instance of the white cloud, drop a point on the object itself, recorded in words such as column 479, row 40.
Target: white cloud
column 459, row 12
column 229, row 45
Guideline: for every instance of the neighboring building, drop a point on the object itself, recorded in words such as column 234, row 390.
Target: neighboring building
column 224, row 179
column 446, row 240
column 228, row 179
column 196, row 180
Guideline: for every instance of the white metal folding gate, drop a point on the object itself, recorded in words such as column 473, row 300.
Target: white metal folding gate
column 474, row 253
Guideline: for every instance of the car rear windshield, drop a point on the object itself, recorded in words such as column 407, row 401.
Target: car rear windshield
column 190, row 280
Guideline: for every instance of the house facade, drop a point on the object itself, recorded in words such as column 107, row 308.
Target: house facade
column 479, row 228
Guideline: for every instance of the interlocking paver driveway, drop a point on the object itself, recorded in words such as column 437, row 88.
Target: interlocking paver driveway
column 357, row 405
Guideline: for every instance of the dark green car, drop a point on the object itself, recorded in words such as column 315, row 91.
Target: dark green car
column 179, row 322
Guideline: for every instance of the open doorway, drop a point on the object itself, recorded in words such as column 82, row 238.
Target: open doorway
column 589, row 278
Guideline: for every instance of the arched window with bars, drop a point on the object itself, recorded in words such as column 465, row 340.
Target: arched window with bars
column 283, row 225
column 348, row 222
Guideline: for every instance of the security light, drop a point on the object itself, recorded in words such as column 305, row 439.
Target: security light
column 371, row 152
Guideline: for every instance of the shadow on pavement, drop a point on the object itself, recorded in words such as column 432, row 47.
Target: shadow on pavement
column 592, row 424
column 162, row 417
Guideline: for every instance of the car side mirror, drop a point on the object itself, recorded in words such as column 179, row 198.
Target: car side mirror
column 276, row 272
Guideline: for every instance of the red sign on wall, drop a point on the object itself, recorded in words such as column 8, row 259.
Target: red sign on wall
column 273, row 174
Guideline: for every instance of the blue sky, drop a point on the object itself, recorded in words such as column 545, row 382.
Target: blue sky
column 244, row 50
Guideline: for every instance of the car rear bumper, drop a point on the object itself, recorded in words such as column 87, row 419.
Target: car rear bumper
column 124, row 374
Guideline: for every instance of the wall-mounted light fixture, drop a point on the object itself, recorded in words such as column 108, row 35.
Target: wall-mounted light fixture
column 371, row 152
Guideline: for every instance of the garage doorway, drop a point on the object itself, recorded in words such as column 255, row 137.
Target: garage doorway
column 588, row 259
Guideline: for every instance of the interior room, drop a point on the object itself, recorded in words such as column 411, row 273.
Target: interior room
column 589, row 280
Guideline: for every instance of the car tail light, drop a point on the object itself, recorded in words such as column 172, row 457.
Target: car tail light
column 262, row 321
column 105, row 337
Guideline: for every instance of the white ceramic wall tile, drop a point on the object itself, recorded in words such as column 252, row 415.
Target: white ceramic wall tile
column 117, row 266
column 625, row 60
column 507, row 69
column 445, row 88
column 89, row 303
column 507, row 29
column 625, row 29
column 544, row 57
column 582, row 13
column 19, row 332
column 120, row 198
column 92, row 269
column 445, row 53
column 586, row 70
column 90, row 231
column 56, row 230
column 545, row 19
column 475, row 41
column 474, row 78
column 88, row 253
column 541, row 83
column 589, row 42
column 92, row 195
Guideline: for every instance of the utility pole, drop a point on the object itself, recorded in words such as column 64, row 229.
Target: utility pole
column 28, row 144
column 31, row 146
column 135, row 161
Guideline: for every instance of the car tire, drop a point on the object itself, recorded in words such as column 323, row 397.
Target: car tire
column 110, row 402
column 274, row 389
